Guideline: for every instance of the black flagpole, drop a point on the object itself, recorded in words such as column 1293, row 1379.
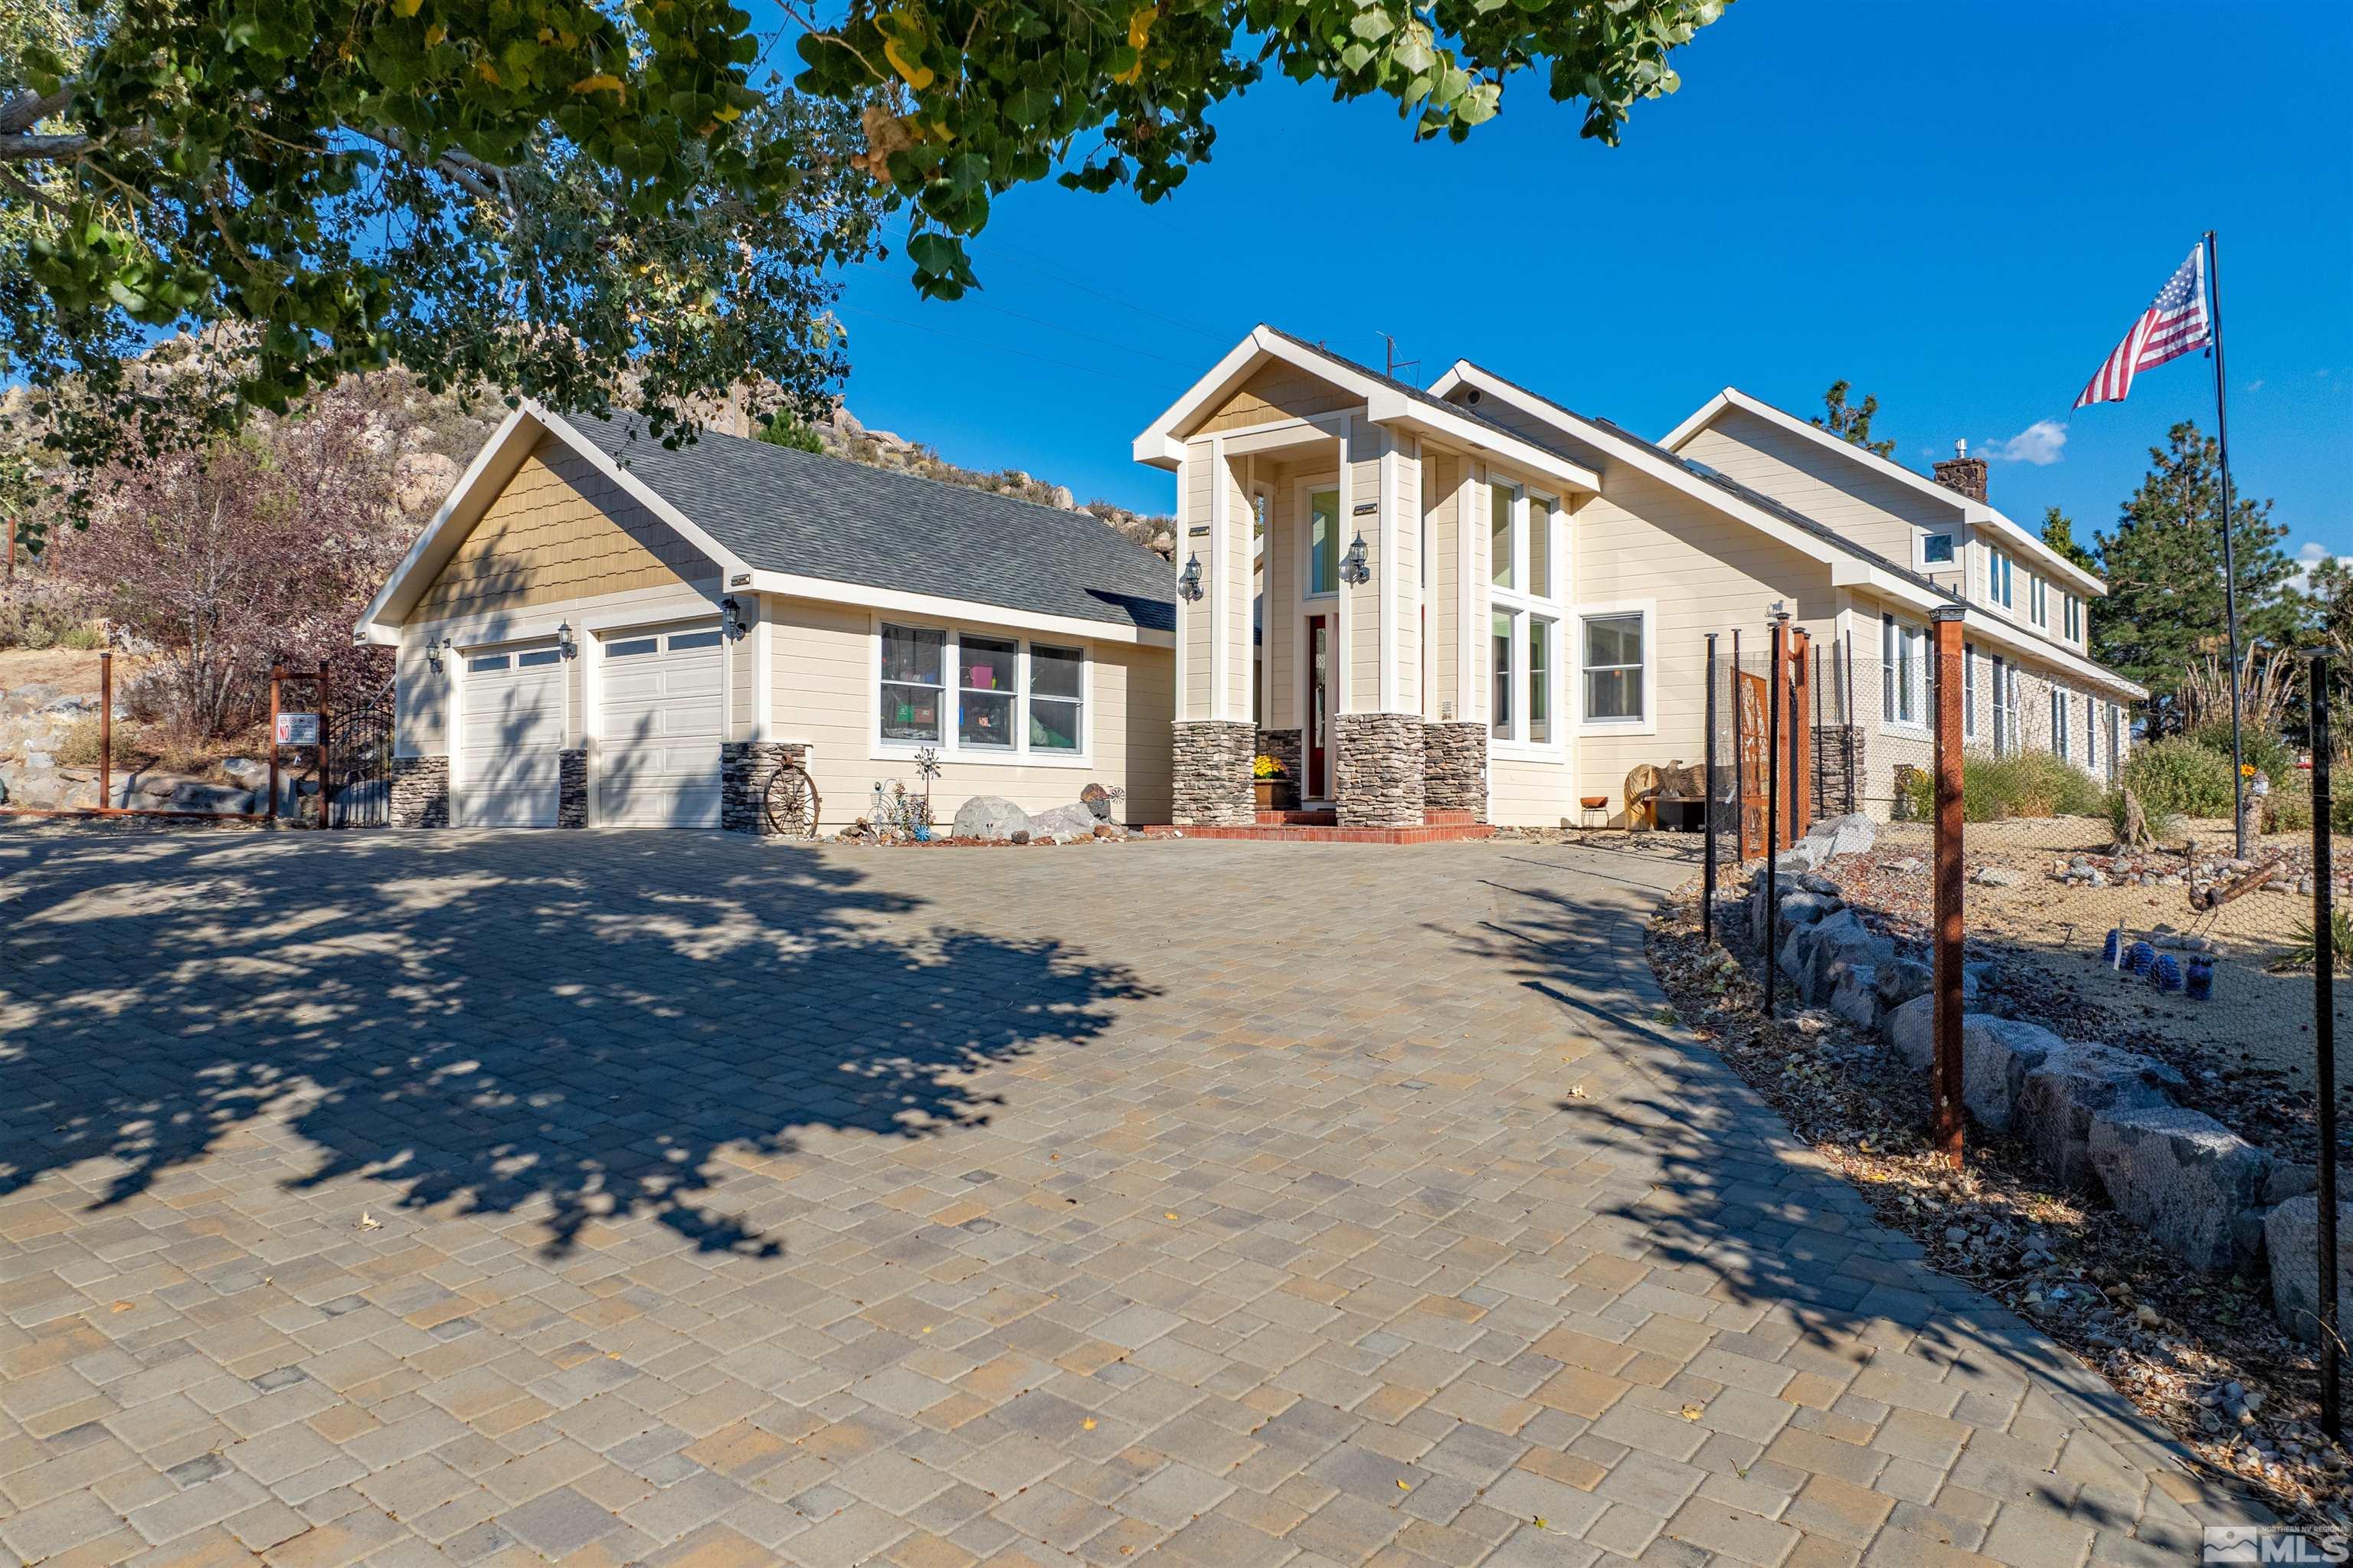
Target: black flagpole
column 2229, row 563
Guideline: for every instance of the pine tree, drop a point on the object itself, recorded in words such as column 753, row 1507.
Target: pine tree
column 1851, row 422
column 2059, row 533
column 2164, row 568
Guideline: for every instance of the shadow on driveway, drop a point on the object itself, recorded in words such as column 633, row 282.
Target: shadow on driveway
column 494, row 1017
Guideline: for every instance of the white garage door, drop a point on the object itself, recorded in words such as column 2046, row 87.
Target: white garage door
column 658, row 764
column 512, row 711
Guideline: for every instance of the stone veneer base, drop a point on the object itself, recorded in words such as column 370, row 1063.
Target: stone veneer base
column 420, row 792
column 1380, row 770
column 745, row 768
column 1454, row 767
column 572, row 788
column 1211, row 767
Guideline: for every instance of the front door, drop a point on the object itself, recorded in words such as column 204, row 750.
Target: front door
column 1319, row 706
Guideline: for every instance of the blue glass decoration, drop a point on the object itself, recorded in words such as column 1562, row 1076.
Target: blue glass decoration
column 2165, row 974
column 2108, row 948
column 2139, row 956
column 2201, row 976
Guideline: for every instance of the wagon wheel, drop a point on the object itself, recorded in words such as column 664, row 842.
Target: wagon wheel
column 792, row 803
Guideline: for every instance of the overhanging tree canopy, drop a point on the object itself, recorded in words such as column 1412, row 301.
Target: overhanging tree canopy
column 560, row 197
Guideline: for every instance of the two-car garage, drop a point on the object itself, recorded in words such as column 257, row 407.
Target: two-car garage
column 656, row 699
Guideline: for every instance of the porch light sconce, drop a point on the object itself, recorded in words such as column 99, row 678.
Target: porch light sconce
column 1780, row 610
column 731, row 619
column 434, row 652
column 564, row 643
column 1355, row 569
column 1188, row 582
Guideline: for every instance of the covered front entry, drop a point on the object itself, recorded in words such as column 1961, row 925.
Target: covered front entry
column 661, row 715
column 512, row 737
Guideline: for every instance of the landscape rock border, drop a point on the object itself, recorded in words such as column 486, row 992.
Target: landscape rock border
column 2098, row 1118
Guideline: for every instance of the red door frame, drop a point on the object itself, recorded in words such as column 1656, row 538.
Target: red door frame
column 1319, row 700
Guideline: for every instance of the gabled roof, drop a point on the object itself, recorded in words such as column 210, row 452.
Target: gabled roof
column 1980, row 513
column 780, row 521
column 1386, row 401
column 1851, row 565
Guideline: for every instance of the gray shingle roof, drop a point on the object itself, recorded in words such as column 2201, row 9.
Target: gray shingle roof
column 817, row 516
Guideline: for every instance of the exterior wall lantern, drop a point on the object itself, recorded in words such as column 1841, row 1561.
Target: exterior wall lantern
column 1356, row 570
column 564, row 643
column 731, row 619
column 434, row 654
column 1188, row 584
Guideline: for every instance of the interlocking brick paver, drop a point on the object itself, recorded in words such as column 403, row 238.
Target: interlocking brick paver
column 733, row 1202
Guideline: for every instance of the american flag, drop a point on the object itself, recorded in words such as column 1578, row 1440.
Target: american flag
column 2174, row 324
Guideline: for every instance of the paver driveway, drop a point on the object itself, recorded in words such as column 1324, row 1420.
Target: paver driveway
column 665, row 1197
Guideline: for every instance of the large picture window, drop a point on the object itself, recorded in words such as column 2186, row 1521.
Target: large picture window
column 911, row 682
column 1008, row 699
column 1613, row 668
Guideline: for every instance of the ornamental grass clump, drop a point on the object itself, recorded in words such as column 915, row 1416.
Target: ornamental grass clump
column 2021, row 784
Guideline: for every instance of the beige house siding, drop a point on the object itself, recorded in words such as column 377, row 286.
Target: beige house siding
column 826, row 698
column 1194, row 619
column 1282, row 605
column 1405, row 580
column 1240, row 646
column 1277, row 392
column 559, row 530
column 1441, row 479
column 1871, row 510
column 1362, row 617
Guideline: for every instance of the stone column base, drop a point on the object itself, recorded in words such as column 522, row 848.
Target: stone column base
column 420, row 792
column 1212, row 773
column 1380, row 770
column 572, row 788
column 1454, row 767
column 745, row 768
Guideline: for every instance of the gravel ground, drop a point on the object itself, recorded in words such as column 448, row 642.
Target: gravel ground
column 2202, row 1354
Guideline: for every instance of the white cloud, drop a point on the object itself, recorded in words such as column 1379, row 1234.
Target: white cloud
column 2308, row 556
column 2256, row 385
column 2039, row 443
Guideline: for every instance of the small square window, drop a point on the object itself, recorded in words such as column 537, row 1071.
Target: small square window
column 1936, row 549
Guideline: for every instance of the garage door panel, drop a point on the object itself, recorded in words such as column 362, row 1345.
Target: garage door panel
column 658, row 757
column 511, row 736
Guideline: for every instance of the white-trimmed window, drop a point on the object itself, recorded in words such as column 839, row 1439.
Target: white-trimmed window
column 2059, row 712
column 1617, row 685
column 2005, row 723
column 1903, row 673
column 911, row 683
column 1968, row 691
column 1524, row 570
column 2074, row 618
column 980, row 696
column 1936, row 552
column 2092, row 731
column 1998, row 578
column 2041, row 613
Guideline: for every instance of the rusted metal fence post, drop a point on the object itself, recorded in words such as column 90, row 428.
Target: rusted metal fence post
column 1944, row 1071
column 106, row 728
column 2324, row 1036
column 1708, row 820
column 277, row 681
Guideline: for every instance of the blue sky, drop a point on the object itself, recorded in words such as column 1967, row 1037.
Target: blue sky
column 1959, row 208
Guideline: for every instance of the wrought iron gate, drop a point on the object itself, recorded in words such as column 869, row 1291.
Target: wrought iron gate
column 360, row 769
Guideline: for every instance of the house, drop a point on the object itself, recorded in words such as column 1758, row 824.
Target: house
column 1471, row 600
column 595, row 629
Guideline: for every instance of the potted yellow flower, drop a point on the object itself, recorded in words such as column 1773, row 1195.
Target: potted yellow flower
column 1276, row 789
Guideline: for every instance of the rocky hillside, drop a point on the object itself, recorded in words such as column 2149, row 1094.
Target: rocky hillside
column 845, row 436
